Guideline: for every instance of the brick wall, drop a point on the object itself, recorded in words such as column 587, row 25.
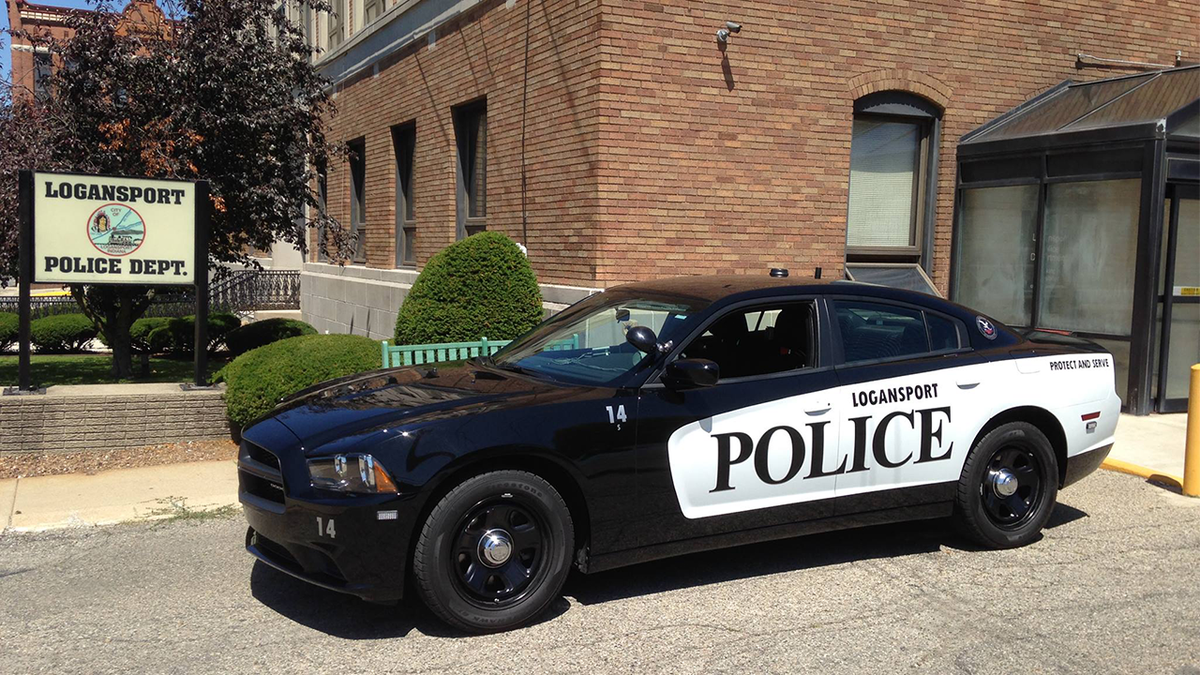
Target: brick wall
column 103, row 421
column 482, row 54
column 651, row 152
column 732, row 161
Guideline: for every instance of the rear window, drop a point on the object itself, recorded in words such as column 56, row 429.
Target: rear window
column 943, row 333
column 873, row 331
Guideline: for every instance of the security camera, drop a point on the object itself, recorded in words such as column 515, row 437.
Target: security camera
column 730, row 27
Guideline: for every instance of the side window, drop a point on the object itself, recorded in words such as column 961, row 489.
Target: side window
column 759, row 340
column 942, row 332
column 877, row 331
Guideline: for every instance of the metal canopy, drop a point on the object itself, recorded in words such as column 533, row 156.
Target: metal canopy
column 1145, row 105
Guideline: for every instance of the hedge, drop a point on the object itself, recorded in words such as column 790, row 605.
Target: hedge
column 139, row 332
column 9, row 325
column 482, row 286
column 178, row 335
column 257, row 380
column 62, row 333
column 258, row 333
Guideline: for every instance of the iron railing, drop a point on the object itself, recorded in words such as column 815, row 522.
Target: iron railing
column 251, row 290
column 239, row 291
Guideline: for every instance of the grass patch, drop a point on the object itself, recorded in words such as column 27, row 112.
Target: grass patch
column 176, row 508
column 54, row 369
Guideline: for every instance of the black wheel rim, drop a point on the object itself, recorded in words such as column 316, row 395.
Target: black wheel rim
column 1012, row 487
column 487, row 581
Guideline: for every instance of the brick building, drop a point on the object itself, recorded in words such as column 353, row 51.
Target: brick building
column 621, row 140
column 31, row 64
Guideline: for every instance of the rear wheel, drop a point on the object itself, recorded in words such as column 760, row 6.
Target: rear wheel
column 494, row 552
column 1008, row 487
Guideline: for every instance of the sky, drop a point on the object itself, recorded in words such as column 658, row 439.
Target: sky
column 6, row 53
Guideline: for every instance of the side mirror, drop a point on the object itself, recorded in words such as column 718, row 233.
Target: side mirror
column 691, row 373
column 643, row 338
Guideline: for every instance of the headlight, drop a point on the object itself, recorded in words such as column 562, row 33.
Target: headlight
column 350, row 473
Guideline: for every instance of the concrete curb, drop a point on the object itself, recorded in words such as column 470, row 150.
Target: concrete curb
column 1151, row 475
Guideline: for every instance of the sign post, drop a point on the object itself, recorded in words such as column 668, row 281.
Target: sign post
column 201, row 255
column 25, row 272
column 102, row 230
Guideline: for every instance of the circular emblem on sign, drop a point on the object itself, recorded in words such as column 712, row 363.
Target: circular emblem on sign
column 986, row 327
column 116, row 229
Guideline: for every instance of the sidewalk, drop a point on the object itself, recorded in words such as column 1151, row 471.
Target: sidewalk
column 1153, row 443
column 49, row 502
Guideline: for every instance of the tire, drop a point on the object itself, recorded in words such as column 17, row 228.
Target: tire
column 465, row 573
column 983, row 510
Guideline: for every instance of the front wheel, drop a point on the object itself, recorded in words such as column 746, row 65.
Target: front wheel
column 1008, row 486
column 494, row 552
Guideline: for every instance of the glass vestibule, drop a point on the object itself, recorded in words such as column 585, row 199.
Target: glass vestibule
column 1079, row 279
column 1179, row 297
column 1060, row 223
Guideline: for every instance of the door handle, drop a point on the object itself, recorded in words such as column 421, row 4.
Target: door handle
column 967, row 385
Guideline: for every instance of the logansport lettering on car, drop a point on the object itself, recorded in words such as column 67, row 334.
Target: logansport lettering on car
column 666, row 417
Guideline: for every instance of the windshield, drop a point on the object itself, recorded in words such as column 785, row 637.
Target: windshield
column 585, row 344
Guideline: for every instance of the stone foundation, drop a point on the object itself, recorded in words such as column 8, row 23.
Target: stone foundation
column 103, row 417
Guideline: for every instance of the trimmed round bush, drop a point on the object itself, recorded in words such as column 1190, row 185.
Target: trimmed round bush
column 258, row 333
column 257, row 380
column 139, row 332
column 160, row 340
column 178, row 334
column 9, row 327
column 482, row 286
column 62, row 333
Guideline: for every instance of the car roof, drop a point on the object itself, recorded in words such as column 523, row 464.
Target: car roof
column 720, row 290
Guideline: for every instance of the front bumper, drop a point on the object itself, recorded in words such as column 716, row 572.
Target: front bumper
column 336, row 542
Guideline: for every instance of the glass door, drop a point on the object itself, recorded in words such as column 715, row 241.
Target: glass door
column 1180, row 299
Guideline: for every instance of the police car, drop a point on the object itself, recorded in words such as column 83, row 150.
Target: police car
column 660, row 418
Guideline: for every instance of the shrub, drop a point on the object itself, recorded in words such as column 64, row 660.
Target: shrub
column 257, row 380
column 479, row 287
column 62, row 333
column 9, row 326
column 139, row 332
column 259, row 333
column 178, row 334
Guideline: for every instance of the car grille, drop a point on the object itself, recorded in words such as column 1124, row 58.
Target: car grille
column 259, row 476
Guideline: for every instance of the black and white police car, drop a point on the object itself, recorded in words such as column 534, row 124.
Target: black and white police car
column 660, row 418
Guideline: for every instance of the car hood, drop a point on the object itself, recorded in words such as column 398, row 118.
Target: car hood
column 385, row 399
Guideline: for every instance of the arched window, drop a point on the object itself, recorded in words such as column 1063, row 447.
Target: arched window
column 893, row 158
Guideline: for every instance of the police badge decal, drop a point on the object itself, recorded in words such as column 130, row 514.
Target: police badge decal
column 986, row 327
column 116, row 229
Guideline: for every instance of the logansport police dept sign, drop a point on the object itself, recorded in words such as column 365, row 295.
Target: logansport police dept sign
column 110, row 230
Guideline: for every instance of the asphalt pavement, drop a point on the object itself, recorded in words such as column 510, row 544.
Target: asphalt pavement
column 1111, row 587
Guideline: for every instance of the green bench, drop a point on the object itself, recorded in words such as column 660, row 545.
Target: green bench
column 416, row 355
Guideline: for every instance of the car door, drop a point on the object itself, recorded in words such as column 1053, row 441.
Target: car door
column 908, row 397
column 747, row 451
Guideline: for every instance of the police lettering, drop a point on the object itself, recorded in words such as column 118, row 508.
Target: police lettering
column 128, row 194
column 927, row 421
column 137, row 266
column 916, row 392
